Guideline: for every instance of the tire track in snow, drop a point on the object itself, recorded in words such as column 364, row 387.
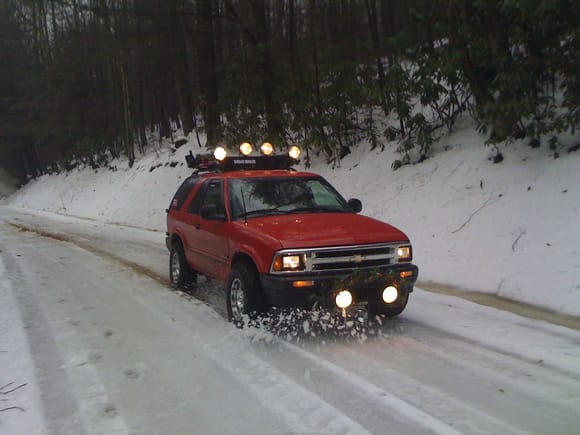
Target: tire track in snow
column 436, row 412
column 431, row 395
column 262, row 377
column 302, row 410
column 91, row 407
column 297, row 407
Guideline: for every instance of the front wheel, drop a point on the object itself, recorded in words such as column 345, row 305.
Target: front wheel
column 388, row 310
column 180, row 273
column 243, row 295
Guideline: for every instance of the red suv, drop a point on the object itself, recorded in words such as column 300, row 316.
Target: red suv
column 283, row 238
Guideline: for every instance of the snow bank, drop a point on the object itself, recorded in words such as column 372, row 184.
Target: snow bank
column 510, row 229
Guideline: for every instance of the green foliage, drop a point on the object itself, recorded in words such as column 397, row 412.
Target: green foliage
column 514, row 60
column 318, row 73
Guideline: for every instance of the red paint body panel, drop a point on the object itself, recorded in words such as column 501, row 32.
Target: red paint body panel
column 211, row 246
column 324, row 230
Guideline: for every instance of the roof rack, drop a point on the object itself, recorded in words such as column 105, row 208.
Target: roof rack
column 208, row 163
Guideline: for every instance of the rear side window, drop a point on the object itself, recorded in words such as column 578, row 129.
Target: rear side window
column 210, row 193
column 183, row 192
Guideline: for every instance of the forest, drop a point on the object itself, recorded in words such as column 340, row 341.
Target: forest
column 96, row 79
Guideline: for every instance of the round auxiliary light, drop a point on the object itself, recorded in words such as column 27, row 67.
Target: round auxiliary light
column 267, row 148
column 220, row 153
column 343, row 299
column 294, row 152
column 390, row 294
column 246, row 148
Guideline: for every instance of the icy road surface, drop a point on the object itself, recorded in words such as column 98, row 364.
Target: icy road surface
column 112, row 349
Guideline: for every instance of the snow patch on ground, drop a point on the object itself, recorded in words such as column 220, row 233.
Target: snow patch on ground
column 20, row 407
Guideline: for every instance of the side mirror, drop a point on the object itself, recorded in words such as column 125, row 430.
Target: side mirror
column 211, row 212
column 355, row 205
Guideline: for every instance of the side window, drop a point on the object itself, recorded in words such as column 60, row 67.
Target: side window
column 215, row 195
column 211, row 192
column 195, row 204
column 182, row 192
column 322, row 195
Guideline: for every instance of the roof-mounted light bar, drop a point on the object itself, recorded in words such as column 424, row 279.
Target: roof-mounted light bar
column 267, row 161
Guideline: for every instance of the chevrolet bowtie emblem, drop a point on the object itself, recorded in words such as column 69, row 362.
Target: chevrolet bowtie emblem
column 358, row 258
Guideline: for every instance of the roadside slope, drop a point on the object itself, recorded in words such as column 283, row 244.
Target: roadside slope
column 508, row 229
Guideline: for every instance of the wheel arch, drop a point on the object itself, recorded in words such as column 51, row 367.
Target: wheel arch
column 175, row 239
column 243, row 267
column 243, row 257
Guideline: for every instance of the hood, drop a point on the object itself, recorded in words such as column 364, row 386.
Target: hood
column 325, row 229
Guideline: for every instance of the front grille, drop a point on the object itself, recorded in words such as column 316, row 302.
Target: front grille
column 342, row 259
column 350, row 257
column 341, row 265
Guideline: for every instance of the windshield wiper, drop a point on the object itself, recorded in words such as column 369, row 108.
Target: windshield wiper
column 318, row 209
column 264, row 212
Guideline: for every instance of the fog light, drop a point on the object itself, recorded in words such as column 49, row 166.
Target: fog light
column 390, row 294
column 343, row 299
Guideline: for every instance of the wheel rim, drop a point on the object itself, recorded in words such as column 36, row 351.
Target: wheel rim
column 237, row 299
column 175, row 267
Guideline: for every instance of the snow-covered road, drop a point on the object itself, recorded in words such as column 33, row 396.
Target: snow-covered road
column 114, row 350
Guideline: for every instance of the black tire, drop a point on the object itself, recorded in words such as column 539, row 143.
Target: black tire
column 243, row 294
column 180, row 273
column 387, row 310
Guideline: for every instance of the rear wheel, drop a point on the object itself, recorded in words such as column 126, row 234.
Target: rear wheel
column 180, row 273
column 243, row 294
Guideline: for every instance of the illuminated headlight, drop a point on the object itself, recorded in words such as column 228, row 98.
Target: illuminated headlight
column 343, row 299
column 283, row 263
column 267, row 148
column 291, row 262
column 246, row 149
column 220, row 153
column 390, row 294
column 404, row 253
column 294, row 152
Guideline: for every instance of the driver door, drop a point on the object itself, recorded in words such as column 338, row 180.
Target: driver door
column 206, row 241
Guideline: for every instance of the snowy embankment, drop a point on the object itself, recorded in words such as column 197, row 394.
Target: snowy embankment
column 510, row 229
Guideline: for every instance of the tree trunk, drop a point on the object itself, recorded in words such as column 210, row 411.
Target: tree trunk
column 371, row 8
column 208, row 76
column 263, row 47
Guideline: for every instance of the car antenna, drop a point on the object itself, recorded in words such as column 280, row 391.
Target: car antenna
column 244, row 205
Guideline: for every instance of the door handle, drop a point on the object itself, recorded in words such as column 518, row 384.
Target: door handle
column 197, row 226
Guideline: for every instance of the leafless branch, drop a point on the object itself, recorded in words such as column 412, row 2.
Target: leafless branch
column 12, row 407
column 12, row 390
column 485, row 204
column 522, row 232
column 7, row 385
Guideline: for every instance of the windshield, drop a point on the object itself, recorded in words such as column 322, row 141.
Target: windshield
column 267, row 196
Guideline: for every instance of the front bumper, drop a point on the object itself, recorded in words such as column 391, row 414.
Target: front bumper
column 366, row 286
